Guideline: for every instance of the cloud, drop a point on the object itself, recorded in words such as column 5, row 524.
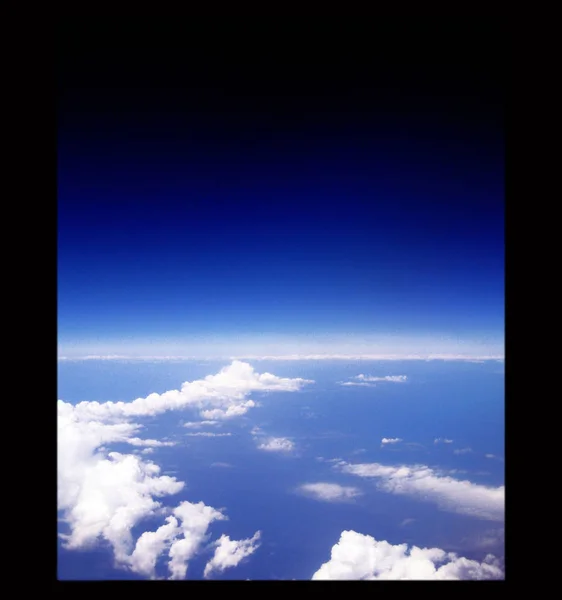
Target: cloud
column 369, row 380
column 195, row 520
column 462, row 451
column 155, row 443
column 391, row 440
column 442, row 441
column 199, row 424
column 277, row 444
column 229, row 553
column 329, row 492
column 494, row 456
column 358, row 556
column 103, row 495
column 420, row 481
column 207, row 434
column 147, row 451
column 219, row 396
column 150, row 546
column 392, row 378
column 221, row 464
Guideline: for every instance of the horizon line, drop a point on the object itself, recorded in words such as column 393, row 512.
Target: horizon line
column 289, row 357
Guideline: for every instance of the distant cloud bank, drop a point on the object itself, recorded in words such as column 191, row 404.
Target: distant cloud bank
column 287, row 357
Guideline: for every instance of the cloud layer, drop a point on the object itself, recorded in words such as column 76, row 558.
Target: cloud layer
column 450, row 494
column 103, row 495
column 358, row 556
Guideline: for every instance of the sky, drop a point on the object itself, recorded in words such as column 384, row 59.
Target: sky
column 269, row 218
column 210, row 203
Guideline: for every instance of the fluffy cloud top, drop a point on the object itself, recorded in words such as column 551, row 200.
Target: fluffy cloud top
column 450, row 494
column 329, row 492
column 358, row 556
column 391, row 440
column 277, row 444
column 229, row 553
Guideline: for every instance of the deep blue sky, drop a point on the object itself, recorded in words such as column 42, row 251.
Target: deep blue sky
column 354, row 192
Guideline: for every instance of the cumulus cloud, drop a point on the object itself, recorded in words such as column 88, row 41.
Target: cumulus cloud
column 357, row 383
column 454, row 495
column 208, row 434
column 277, row 444
column 358, row 556
column 219, row 396
column 462, row 451
column 329, row 492
column 194, row 522
column 150, row 546
column 493, row 456
column 391, row 440
column 442, row 441
column 229, row 553
column 199, row 424
column 103, row 495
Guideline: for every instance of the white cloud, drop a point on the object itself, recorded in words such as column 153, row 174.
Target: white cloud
column 277, row 444
column 357, row 383
column 358, row 556
column 154, row 443
column 392, row 378
column 442, row 441
column 150, row 546
column 450, row 494
column 195, row 520
column 494, row 456
column 229, row 553
column 329, row 492
column 221, row 464
column 462, row 451
column 219, row 396
column 391, row 440
column 147, row 451
column 208, row 434
column 103, row 495
column 199, row 424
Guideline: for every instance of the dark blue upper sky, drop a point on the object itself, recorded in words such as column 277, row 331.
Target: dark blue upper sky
column 355, row 191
